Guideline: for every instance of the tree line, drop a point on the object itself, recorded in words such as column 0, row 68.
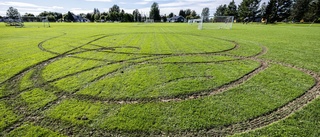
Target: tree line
column 273, row 11
column 114, row 14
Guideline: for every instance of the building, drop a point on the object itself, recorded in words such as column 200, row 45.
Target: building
column 78, row 18
column 176, row 19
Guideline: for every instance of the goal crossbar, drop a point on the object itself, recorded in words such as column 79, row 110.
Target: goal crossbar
column 216, row 22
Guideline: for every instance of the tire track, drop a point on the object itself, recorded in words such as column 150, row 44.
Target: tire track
column 260, row 121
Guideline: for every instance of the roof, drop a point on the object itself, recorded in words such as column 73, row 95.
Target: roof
column 177, row 17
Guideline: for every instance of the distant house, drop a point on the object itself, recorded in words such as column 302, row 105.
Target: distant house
column 176, row 19
column 78, row 18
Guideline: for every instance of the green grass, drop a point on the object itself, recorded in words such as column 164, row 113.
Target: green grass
column 236, row 105
column 66, row 66
column 37, row 98
column 149, row 81
column 232, row 106
column 79, row 81
column 77, row 112
column 2, row 89
column 303, row 123
column 29, row 130
column 7, row 116
column 26, row 81
column 194, row 58
column 145, row 62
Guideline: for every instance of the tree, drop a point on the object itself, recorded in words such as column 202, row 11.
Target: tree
column 115, row 8
column 182, row 13
column 51, row 16
column 221, row 10
column 155, row 12
column 187, row 12
column 312, row 14
column 69, row 17
column 164, row 18
column 171, row 15
column 309, row 12
column 113, row 16
column 114, row 13
column 122, row 15
column 96, row 14
column 13, row 13
column 28, row 17
column 271, row 11
column 249, row 8
column 300, row 8
column 96, row 17
column 89, row 17
column 232, row 9
column 278, row 10
column 104, row 16
column 136, row 15
column 283, row 9
column 126, row 17
column 205, row 13
column 263, row 9
column 315, row 10
column 193, row 13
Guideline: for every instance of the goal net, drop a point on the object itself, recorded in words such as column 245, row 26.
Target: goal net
column 149, row 21
column 45, row 21
column 216, row 22
column 194, row 21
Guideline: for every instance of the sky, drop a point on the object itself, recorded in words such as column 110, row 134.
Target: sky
column 87, row 6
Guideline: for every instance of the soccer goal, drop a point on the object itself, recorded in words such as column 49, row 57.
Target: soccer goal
column 45, row 21
column 194, row 21
column 216, row 22
column 149, row 21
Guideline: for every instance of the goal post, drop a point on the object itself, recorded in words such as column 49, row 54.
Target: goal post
column 149, row 21
column 194, row 21
column 216, row 22
column 45, row 21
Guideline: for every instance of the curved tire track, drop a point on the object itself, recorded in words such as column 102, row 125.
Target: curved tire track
column 257, row 122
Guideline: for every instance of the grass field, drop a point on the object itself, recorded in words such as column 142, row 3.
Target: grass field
column 159, row 79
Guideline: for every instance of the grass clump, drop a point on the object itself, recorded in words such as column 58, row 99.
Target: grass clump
column 2, row 88
column 29, row 130
column 37, row 98
column 80, row 80
column 303, row 123
column 26, row 81
column 77, row 112
column 7, row 116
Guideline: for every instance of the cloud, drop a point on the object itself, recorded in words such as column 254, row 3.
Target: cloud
column 29, row 7
column 17, row 4
column 141, row 3
column 80, row 10
column 100, row 0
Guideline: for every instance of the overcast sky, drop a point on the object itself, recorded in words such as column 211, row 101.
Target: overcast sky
column 86, row 6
